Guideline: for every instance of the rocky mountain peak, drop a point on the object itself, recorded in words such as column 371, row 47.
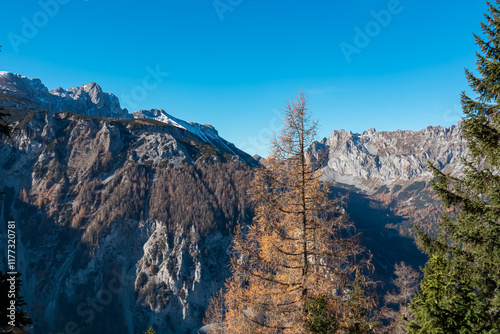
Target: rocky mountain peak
column 370, row 131
column 20, row 92
column 15, row 84
column 95, row 92
column 87, row 99
column 373, row 159
column 92, row 86
column 206, row 132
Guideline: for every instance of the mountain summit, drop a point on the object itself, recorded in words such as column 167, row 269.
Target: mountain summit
column 124, row 220
column 139, row 209
column 87, row 99
column 18, row 92
column 205, row 132
column 388, row 158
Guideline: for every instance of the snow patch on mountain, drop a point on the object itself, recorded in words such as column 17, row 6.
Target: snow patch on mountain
column 207, row 133
column 20, row 92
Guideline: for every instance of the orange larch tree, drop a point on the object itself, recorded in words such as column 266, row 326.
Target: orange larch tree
column 297, row 249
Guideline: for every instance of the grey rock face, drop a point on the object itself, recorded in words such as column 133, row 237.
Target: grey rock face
column 206, row 132
column 92, row 255
column 373, row 159
column 87, row 100
column 71, row 179
column 20, row 92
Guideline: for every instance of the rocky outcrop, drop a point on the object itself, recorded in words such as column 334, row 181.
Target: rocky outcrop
column 21, row 93
column 87, row 100
column 374, row 159
column 206, row 132
column 126, row 223
column 122, row 224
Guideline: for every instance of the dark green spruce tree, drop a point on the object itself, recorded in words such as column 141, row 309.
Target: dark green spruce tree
column 460, row 291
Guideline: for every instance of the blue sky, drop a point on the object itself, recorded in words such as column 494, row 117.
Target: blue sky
column 386, row 64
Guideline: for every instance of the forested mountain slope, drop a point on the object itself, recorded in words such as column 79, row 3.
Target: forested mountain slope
column 125, row 223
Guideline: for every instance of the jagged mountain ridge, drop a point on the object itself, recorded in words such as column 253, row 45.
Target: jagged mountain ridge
column 151, row 202
column 138, row 201
column 389, row 170
column 373, row 159
column 92, row 192
column 205, row 132
column 88, row 99
column 18, row 92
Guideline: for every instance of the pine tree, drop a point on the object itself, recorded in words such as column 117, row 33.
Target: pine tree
column 447, row 302
column 320, row 319
column 461, row 286
column 295, row 251
column 359, row 305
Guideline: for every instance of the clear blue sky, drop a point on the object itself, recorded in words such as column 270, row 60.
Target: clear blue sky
column 233, row 63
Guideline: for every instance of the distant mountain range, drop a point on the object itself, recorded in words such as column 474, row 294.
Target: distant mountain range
column 373, row 159
column 22, row 93
column 87, row 100
column 149, row 200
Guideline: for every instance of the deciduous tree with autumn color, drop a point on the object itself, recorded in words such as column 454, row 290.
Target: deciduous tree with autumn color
column 296, row 251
